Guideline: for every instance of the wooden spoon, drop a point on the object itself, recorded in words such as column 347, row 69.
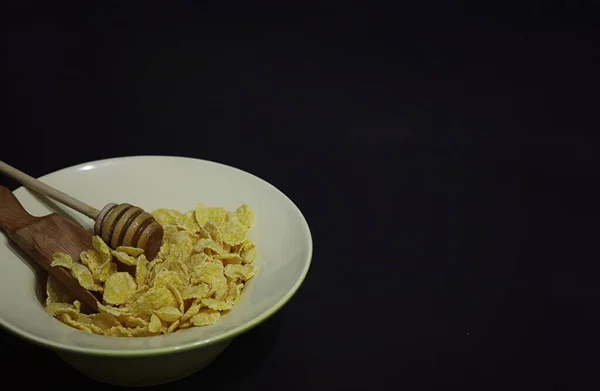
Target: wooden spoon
column 40, row 237
column 116, row 224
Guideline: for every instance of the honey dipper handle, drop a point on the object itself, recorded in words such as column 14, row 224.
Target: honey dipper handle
column 40, row 187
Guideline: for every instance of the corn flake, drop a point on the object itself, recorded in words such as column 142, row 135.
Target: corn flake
column 124, row 258
column 229, row 258
column 105, row 320
column 105, row 270
column 153, row 299
column 118, row 288
column 133, row 251
column 102, row 248
column 199, row 291
column 217, row 305
column 245, row 216
column 166, row 277
column 192, row 311
column 208, row 244
column 168, row 314
column 56, row 292
column 62, row 259
column 141, row 270
column 240, row 272
column 234, row 290
column 233, row 233
column 214, row 233
column 187, row 221
column 91, row 258
column 206, row 317
column 166, row 216
column 83, row 275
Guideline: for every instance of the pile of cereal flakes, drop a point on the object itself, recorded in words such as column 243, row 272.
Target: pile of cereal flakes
column 199, row 273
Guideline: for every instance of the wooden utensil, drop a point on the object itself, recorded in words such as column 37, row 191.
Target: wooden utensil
column 116, row 224
column 40, row 237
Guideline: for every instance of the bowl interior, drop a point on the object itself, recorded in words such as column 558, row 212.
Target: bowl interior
column 281, row 233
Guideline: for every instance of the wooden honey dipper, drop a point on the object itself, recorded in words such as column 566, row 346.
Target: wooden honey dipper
column 117, row 224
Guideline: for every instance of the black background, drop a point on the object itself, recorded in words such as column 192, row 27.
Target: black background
column 444, row 157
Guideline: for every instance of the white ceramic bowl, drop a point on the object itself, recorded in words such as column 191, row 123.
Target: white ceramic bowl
column 284, row 253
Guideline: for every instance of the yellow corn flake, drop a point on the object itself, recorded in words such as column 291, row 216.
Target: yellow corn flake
column 213, row 231
column 217, row 215
column 80, row 322
column 105, row 320
column 153, row 299
column 168, row 314
column 211, row 273
column 199, row 291
column 102, row 248
column 202, row 233
column 166, row 216
column 248, row 251
column 66, row 318
column 105, row 270
column 154, row 268
column 206, row 317
column 56, row 308
column 234, row 290
column 155, row 324
column 118, row 288
column 197, row 259
column 207, row 272
column 214, row 214
column 217, row 305
column 178, row 266
column 118, row 331
column 219, row 287
column 233, row 233
column 111, row 310
column 124, row 258
column 241, row 272
column 168, row 231
column 182, row 243
column 208, row 244
column 55, row 292
column 185, row 325
column 141, row 270
column 173, row 326
column 166, row 277
column 91, row 258
column 245, row 216
column 138, row 293
column 62, row 259
column 132, row 321
column 201, row 214
column 83, row 275
column 141, row 332
column 177, row 294
column 230, row 258
column 133, row 251
column 188, row 222
column 191, row 312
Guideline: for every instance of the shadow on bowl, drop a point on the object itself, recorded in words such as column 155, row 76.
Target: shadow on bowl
column 40, row 274
column 55, row 207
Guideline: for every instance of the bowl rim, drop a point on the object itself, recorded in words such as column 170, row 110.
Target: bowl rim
column 244, row 327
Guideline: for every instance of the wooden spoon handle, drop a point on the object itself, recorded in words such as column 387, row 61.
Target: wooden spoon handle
column 12, row 214
column 40, row 187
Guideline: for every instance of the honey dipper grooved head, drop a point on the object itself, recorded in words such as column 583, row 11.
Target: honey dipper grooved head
column 128, row 225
